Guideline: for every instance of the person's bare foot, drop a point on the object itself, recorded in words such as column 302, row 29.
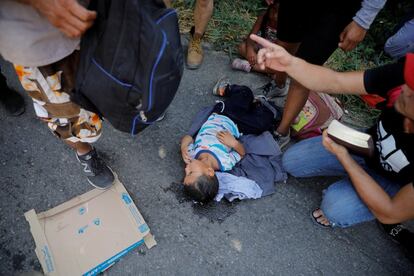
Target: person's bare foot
column 320, row 218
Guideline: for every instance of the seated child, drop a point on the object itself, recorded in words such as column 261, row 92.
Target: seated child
column 265, row 26
column 215, row 147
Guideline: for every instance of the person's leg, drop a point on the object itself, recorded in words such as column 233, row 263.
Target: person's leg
column 317, row 46
column 168, row 3
column 342, row 206
column 401, row 42
column 244, row 65
column 295, row 101
column 12, row 101
column 50, row 87
column 239, row 97
column 202, row 13
column 250, row 117
column 242, row 49
column 292, row 24
column 309, row 158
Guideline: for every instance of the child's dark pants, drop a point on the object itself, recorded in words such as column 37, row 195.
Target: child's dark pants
column 251, row 117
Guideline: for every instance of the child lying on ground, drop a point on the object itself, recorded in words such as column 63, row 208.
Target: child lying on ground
column 216, row 146
column 214, row 149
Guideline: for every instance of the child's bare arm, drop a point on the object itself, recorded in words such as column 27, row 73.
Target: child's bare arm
column 240, row 149
column 255, row 28
column 185, row 142
column 227, row 139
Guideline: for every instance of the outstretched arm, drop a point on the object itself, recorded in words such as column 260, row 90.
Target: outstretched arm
column 313, row 77
column 386, row 209
column 70, row 17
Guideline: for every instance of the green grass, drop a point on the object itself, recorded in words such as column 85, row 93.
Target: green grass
column 233, row 20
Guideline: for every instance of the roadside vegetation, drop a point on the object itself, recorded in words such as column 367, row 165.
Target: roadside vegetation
column 232, row 21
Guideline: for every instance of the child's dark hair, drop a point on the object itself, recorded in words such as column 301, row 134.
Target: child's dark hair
column 204, row 189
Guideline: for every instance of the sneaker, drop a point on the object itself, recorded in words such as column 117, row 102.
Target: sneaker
column 282, row 140
column 241, row 64
column 219, row 88
column 271, row 90
column 195, row 51
column 98, row 173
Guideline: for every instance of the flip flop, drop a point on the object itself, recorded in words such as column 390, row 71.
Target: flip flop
column 315, row 220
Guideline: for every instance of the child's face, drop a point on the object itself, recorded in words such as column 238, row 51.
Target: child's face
column 194, row 170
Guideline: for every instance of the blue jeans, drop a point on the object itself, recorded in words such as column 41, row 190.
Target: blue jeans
column 340, row 202
column 401, row 42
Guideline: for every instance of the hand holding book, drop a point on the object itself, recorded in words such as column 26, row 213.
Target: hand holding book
column 355, row 141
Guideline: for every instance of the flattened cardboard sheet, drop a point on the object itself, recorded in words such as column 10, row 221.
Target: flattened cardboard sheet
column 89, row 233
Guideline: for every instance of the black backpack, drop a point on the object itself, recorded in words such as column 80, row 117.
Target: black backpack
column 131, row 62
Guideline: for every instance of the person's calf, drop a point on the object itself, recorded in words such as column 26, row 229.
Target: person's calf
column 82, row 148
column 295, row 101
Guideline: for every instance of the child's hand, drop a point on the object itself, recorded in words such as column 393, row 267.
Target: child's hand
column 227, row 139
column 184, row 154
column 185, row 142
column 251, row 55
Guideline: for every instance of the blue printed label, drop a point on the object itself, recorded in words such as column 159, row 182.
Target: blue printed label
column 97, row 221
column 82, row 229
column 126, row 198
column 47, row 258
column 82, row 210
column 142, row 228
column 101, row 267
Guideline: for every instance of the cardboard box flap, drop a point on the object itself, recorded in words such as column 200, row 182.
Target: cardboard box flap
column 88, row 233
column 150, row 241
column 42, row 247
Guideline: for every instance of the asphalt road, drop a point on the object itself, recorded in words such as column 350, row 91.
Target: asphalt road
column 272, row 235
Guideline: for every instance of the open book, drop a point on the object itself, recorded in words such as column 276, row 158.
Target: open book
column 356, row 141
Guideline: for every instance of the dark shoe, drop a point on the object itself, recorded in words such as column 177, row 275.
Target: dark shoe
column 270, row 90
column 13, row 102
column 282, row 140
column 99, row 174
column 400, row 235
